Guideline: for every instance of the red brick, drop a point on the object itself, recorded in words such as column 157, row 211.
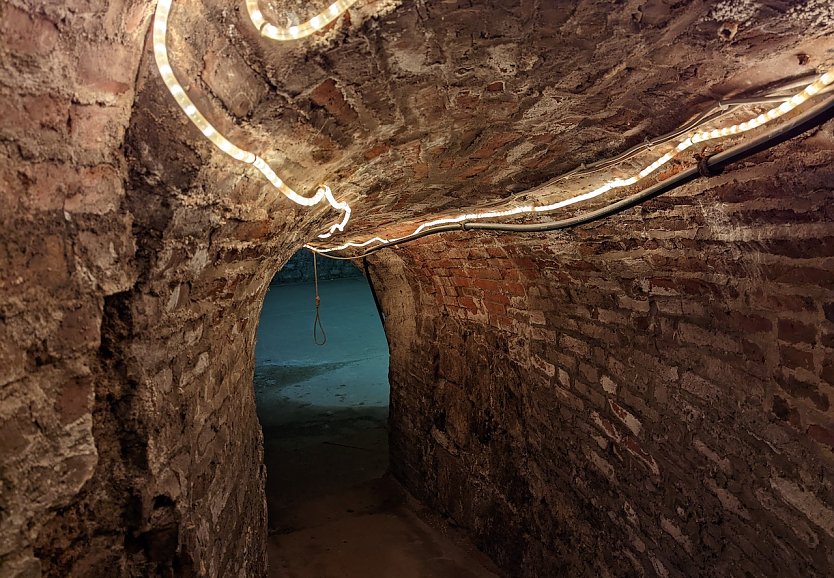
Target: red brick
column 75, row 399
column 828, row 371
column 448, row 300
column 376, row 151
column 514, row 289
column 28, row 113
column 486, row 273
column 523, row 263
column 477, row 253
column 822, row 434
column 803, row 389
column 497, row 298
column 494, row 142
column 468, row 303
column 793, row 358
column 637, row 451
column 107, row 68
column 27, row 34
column 487, row 284
column 330, row 97
column 796, row 331
column 793, row 275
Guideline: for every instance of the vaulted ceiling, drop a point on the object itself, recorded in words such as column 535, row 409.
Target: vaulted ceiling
column 410, row 110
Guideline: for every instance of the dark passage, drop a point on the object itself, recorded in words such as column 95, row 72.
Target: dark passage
column 333, row 511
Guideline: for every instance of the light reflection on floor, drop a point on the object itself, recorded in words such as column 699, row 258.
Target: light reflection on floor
column 350, row 370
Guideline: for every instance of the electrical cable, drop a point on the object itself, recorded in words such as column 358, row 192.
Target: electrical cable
column 821, row 85
column 334, row 11
column 714, row 164
column 719, row 110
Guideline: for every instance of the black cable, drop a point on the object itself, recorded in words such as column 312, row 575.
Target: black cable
column 713, row 165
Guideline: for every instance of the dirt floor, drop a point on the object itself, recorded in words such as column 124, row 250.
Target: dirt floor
column 333, row 511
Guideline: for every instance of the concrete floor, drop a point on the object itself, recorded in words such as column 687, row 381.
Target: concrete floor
column 333, row 511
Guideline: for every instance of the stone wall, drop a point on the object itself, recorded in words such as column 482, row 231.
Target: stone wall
column 134, row 267
column 66, row 248
column 646, row 396
column 299, row 269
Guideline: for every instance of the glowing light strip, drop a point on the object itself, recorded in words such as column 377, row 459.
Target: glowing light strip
column 307, row 28
column 787, row 106
column 163, row 64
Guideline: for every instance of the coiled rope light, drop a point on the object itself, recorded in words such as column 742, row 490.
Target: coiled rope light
column 160, row 51
column 333, row 11
column 307, row 28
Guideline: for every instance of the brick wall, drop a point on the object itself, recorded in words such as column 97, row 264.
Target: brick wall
column 134, row 269
column 649, row 395
column 65, row 246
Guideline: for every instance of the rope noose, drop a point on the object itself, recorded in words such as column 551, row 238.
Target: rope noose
column 317, row 322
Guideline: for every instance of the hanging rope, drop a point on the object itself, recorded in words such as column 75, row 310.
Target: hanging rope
column 317, row 326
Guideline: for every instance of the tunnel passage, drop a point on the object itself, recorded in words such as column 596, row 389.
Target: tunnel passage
column 333, row 509
column 655, row 388
column 322, row 405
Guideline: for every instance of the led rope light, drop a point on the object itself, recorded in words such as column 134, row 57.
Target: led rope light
column 787, row 106
column 307, row 28
column 317, row 22
column 163, row 64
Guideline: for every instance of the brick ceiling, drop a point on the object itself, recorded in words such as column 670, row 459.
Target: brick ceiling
column 415, row 109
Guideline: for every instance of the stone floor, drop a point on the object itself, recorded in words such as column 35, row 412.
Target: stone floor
column 333, row 511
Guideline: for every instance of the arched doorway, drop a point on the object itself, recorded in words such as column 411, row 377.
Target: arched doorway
column 323, row 408
column 333, row 510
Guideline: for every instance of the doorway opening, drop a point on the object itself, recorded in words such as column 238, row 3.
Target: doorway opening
column 333, row 509
column 323, row 408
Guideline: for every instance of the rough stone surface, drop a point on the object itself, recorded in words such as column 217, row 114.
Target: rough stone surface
column 65, row 245
column 646, row 396
column 135, row 260
column 134, row 272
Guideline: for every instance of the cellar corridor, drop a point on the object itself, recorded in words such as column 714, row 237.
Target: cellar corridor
column 600, row 235
column 333, row 510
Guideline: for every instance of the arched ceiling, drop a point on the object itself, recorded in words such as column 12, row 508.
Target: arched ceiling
column 410, row 110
